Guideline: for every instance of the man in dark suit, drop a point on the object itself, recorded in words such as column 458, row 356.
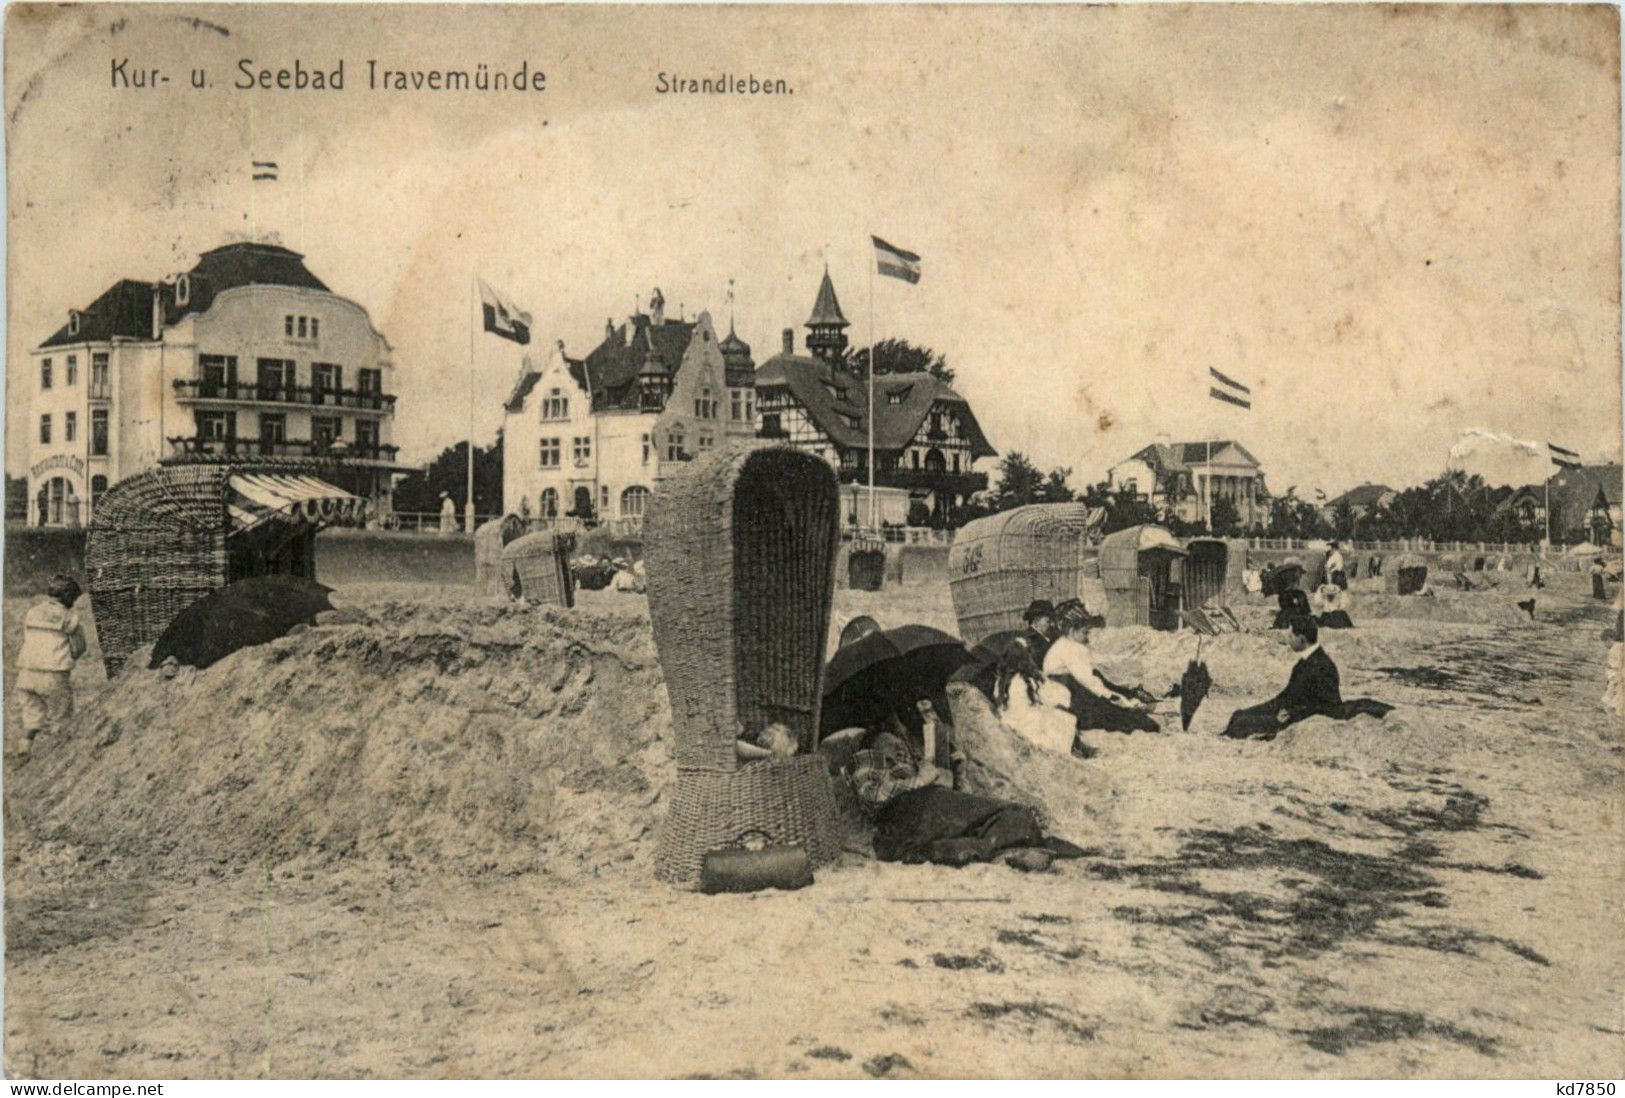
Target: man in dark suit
column 1312, row 689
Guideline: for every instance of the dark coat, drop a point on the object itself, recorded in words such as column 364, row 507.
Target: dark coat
column 1313, row 688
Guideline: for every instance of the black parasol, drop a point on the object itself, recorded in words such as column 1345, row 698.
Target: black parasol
column 248, row 612
column 1193, row 687
column 885, row 671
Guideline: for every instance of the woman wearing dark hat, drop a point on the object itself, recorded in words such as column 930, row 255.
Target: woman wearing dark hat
column 1096, row 703
column 1040, row 619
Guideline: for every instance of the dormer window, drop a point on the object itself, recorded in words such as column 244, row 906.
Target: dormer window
column 73, row 321
column 183, row 290
column 894, row 398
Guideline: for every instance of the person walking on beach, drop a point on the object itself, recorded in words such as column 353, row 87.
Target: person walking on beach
column 53, row 638
column 1096, row 702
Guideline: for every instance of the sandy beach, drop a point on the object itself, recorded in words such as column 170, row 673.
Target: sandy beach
column 421, row 846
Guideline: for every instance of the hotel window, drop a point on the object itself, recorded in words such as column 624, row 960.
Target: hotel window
column 70, row 427
column 273, row 427
column 98, row 433
column 45, row 374
column 287, row 326
column 736, row 405
column 219, row 373
column 73, row 370
column 894, row 398
column 275, row 378
column 303, row 324
column 370, row 380
column 646, row 448
column 313, row 327
column 326, row 380
column 549, row 502
column 674, row 446
column 956, row 463
column 556, row 406
column 550, row 455
column 211, row 425
column 705, row 406
column 603, row 498
column 366, row 434
column 750, row 405
column 633, row 500
column 705, row 440
column 98, row 374
column 45, row 430
column 325, row 430
column 915, row 455
column 581, row 449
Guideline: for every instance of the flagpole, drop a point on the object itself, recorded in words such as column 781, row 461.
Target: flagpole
column 873, row 526
column 468, row 507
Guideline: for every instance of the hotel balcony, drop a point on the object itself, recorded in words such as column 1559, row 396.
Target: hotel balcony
column 924, row 479
column 193, row 391
column 340, row 451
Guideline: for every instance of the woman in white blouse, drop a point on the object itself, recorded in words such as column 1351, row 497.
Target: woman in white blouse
column 1095, row 702
column 1022, row 706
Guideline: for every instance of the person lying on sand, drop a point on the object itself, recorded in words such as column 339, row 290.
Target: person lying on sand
column 1093, row 700
column 919, row 818
column 1313, row 689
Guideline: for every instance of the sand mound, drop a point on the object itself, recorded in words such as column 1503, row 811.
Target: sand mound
column 476, row 738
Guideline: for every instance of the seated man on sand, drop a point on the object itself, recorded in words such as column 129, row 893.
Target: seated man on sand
column 1096, row 702
column 1312, row 690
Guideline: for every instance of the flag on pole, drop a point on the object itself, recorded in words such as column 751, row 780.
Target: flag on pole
column 502, row 317
column 1563, row 456
column 1229, row 390
column 895, row 262
column 265, row 170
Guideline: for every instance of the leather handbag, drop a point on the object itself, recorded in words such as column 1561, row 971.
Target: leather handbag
column 752, row 863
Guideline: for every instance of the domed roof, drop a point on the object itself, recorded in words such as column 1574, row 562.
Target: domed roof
column 734, row 346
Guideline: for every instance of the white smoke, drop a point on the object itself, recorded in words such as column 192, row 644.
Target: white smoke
column 1500, row 458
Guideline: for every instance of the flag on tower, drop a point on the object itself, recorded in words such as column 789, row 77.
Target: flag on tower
column 1229, row 390
column 895, row 262
column 502, row 317
column 1563, row 456
column 265, row 170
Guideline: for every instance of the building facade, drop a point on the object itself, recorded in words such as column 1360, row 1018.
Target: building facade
column 589, row 438
column 1361, row 501
column 926, row 438
column 1182, row 479
column 247, row 354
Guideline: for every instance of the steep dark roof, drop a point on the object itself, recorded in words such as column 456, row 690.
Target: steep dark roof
column 1575, row 490
column 740, row 368
column 243, row 264
column 123, row 310
column 126, row 308
column 827, row 310
column 1366, row 495
column 613, row 366
column 837, row 403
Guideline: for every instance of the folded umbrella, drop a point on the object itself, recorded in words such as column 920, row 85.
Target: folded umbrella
column 1193, row 687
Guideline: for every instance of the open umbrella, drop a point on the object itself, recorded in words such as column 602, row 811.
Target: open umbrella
column 887, row 670
column 248, row 612
column 1193, row 687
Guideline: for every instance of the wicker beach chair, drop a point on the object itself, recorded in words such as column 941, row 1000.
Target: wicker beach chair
column 536, row 567
column 999, row 564
column 741, row 558
column 162, row 539
column 490, row 538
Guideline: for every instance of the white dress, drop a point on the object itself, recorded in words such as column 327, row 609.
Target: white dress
column 1037, row 723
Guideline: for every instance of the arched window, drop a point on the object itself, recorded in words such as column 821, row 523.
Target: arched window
column 934, row 461
column 633, row 500
column 183, row 290
column 550, row 503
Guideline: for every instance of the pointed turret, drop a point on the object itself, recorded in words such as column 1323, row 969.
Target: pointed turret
column 825, row 337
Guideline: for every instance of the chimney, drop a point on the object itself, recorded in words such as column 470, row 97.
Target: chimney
column 789, row 341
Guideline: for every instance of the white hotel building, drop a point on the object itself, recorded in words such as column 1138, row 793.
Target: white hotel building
column 246, row 355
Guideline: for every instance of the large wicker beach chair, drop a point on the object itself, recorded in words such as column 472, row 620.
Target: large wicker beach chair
column 741, row 556
column 997, row 565
column 162, row 539
column 490, row 538
column 536, row 567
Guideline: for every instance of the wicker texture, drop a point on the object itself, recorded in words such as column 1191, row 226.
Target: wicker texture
column 999, row 564
column 788, row 799
column 1137, row 567
column 159, row 541
column 540, row 563
column 741, row 552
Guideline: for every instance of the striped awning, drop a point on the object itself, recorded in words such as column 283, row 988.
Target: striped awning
column 262, row 497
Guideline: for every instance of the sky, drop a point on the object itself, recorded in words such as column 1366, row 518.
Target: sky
column 1393, row 224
